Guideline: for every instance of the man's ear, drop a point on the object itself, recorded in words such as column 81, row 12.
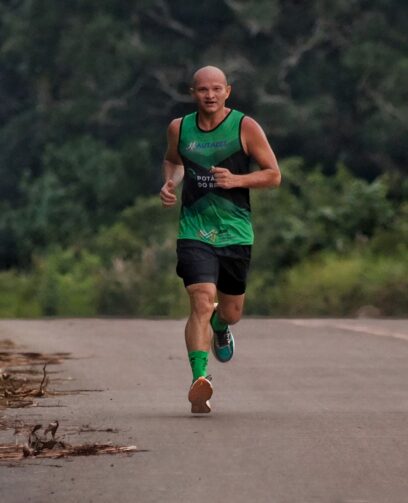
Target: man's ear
column 229, row 89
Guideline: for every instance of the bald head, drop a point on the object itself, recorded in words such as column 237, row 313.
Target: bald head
column 209, row 73
column 210, row 90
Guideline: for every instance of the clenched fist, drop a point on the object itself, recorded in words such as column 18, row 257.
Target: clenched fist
column 224, row 179
column 168, row 194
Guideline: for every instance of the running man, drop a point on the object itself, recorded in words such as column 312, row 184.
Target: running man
column 210, row 151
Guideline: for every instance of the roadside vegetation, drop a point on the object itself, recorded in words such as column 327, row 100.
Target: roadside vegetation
column 325, row 245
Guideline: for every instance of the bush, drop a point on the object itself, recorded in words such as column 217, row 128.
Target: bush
column 148, row 287
column 17, row 296
column 67, row 283
column 311, row 212
column 333, row 285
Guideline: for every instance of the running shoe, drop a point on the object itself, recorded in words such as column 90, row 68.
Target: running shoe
column 199, row 395
column 223, row 344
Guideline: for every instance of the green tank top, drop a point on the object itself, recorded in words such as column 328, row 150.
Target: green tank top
column 216, row 216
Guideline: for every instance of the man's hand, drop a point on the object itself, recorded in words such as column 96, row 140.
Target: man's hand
column 168, row 194
column 224, row 179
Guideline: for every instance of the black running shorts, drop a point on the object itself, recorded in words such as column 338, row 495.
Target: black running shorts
column 226, row 267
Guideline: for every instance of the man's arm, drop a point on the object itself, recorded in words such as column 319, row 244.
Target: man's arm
column 256, row 145
column 173, row 169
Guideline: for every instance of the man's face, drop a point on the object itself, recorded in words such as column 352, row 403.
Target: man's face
column 210, row 92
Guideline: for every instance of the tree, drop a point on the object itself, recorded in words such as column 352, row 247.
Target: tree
column 87, row 90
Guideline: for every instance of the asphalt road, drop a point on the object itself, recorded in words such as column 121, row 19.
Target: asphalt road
column 309, row 411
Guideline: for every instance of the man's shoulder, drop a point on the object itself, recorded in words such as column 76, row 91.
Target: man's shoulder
column 251, row 134
column 175, row 122
column 250, row 125
column 248, row 120
column 174, row 126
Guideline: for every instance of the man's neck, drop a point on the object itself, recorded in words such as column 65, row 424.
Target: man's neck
column 207, row 122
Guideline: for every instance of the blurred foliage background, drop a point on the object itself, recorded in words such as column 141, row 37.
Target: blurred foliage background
column 87, row 89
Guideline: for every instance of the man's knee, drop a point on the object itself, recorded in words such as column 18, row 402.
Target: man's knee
column 202, row 299
column 230, row 313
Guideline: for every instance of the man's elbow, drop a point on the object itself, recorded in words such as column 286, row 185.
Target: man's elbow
column 275, row 177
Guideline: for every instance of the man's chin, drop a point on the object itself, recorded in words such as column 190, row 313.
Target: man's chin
column 211, row 108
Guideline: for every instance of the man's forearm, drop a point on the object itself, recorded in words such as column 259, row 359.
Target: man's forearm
column 173, row 172
column 263, row 178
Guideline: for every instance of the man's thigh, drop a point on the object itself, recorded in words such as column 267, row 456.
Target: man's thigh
column 234, row 267
column 196, row 262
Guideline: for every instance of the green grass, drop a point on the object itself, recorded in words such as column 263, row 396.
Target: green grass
column 333, row 285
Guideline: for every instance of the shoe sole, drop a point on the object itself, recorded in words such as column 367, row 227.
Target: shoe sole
column 199, row 395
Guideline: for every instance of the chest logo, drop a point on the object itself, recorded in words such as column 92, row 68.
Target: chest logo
column 196, row 145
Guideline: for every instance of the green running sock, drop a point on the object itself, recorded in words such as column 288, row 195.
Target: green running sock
column 198, row 362
column 217, row 324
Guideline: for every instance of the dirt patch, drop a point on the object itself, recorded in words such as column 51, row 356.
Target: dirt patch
column 11, row 452
column 24, row 378
column 15, row 391
column 24, row 375
column 7, row 344
column 48, row 445
column 13, row 358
